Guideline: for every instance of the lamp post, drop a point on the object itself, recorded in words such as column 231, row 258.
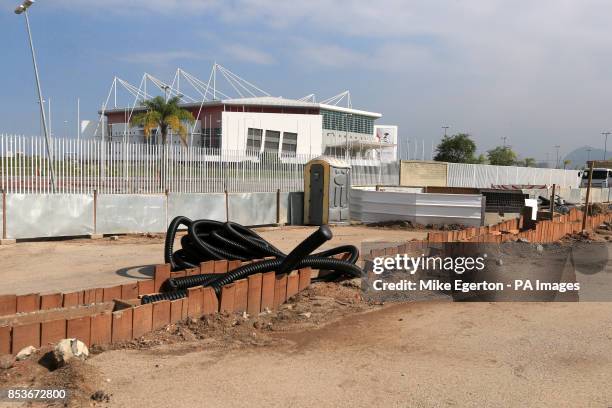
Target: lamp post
column 606, row 134
column 557, row 163
column 23, row 9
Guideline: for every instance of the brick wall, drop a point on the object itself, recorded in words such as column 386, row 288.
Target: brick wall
column 49, row 318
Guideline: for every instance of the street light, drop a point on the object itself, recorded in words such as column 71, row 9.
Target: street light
column 606, row 134
column 23, row 9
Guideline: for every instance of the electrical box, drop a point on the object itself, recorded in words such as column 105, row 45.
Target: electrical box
column 326, row 191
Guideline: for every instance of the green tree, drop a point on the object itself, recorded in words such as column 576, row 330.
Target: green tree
column 459, row 148
column 529, row 162
column 566, row 163
column 165, row 115
column 502, row 156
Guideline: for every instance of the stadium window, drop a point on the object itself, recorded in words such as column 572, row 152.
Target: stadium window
column 254, row 140
column 211, row 138
column 272, row 141
column 289, row 144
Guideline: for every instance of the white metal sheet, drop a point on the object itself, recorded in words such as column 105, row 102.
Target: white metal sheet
column 422, row 208
column 197, row 206
column 252, row 208
column 49, row 215
column 130, row 213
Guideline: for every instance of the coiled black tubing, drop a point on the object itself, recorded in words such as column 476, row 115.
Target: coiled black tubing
column 208, row 240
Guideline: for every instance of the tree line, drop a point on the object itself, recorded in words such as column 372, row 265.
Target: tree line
column 460, row 148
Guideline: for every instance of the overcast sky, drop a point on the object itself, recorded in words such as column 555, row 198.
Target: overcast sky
column 536, row 72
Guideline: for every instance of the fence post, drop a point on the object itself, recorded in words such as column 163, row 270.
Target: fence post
column 3, row 214
column 95, row 211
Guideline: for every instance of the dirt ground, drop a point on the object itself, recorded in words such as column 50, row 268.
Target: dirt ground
column 329, row 348
column 83, row 263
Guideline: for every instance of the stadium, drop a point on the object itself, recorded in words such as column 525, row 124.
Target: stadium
column 253, row 121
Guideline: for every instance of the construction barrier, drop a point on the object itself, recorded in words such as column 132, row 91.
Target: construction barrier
column 114, row 314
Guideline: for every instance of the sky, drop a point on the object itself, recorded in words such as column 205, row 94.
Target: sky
column 534, row 71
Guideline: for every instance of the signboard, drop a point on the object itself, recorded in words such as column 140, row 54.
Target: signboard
column 387, row 137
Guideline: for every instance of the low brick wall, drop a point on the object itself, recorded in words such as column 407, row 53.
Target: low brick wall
column 108, row 315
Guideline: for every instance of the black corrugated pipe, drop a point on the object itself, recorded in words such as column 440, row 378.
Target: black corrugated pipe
column 212, row 240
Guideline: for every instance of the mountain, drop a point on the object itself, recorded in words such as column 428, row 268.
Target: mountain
column 580, row 156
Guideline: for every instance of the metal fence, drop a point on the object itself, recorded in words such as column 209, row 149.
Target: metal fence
column 82, row 166
column 485, row 176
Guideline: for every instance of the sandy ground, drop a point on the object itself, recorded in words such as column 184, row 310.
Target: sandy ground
column 409, row 355
column 55, row 266
column 348, row 353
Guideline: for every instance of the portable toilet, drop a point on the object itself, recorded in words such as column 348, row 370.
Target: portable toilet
column 326, row 191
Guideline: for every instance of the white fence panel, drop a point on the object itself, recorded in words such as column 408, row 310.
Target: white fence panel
column 44, row 215
column 130, row 213
column 252, row 208
column 197, row 206
column 484, row 176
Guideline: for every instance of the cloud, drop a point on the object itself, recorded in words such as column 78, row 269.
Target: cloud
column 246, row 53
column 159, row 58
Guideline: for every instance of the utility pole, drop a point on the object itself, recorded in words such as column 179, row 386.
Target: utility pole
column 504, row 138
column 557, row 162
column 588, row 154
column 445, row 129
column 78, row 118
column 23, row 9
column 606, row 134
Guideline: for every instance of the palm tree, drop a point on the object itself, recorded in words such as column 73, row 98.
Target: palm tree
column 165, row 115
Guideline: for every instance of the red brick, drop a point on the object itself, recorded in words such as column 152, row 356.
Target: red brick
column 293, row 284
column 101, row 328
column 8, row 305
column 161, row 314
column 221, row 266
column 52, row 301
column 142, row 320
column 122, row 325
column 241, row 295
column 5, row 340
column 112, row 293
column 194, row 298
column 162, row 274
column 211, row 303
column 52, row 332
column 178, row 274
column 305, row 277
column 280, row 290
column 185, row 309
column 176, row 310
column 89, row 296
column 146, row 287
column 227, row 298
column 231, row 265
column 254, row 297
column 129, row 290
column 99, row 295
column 28, row 303
column 192, row 271
column 267, row 291
column 26, row 335
column 70, row 299
column 80, row 329
column 207, row 267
